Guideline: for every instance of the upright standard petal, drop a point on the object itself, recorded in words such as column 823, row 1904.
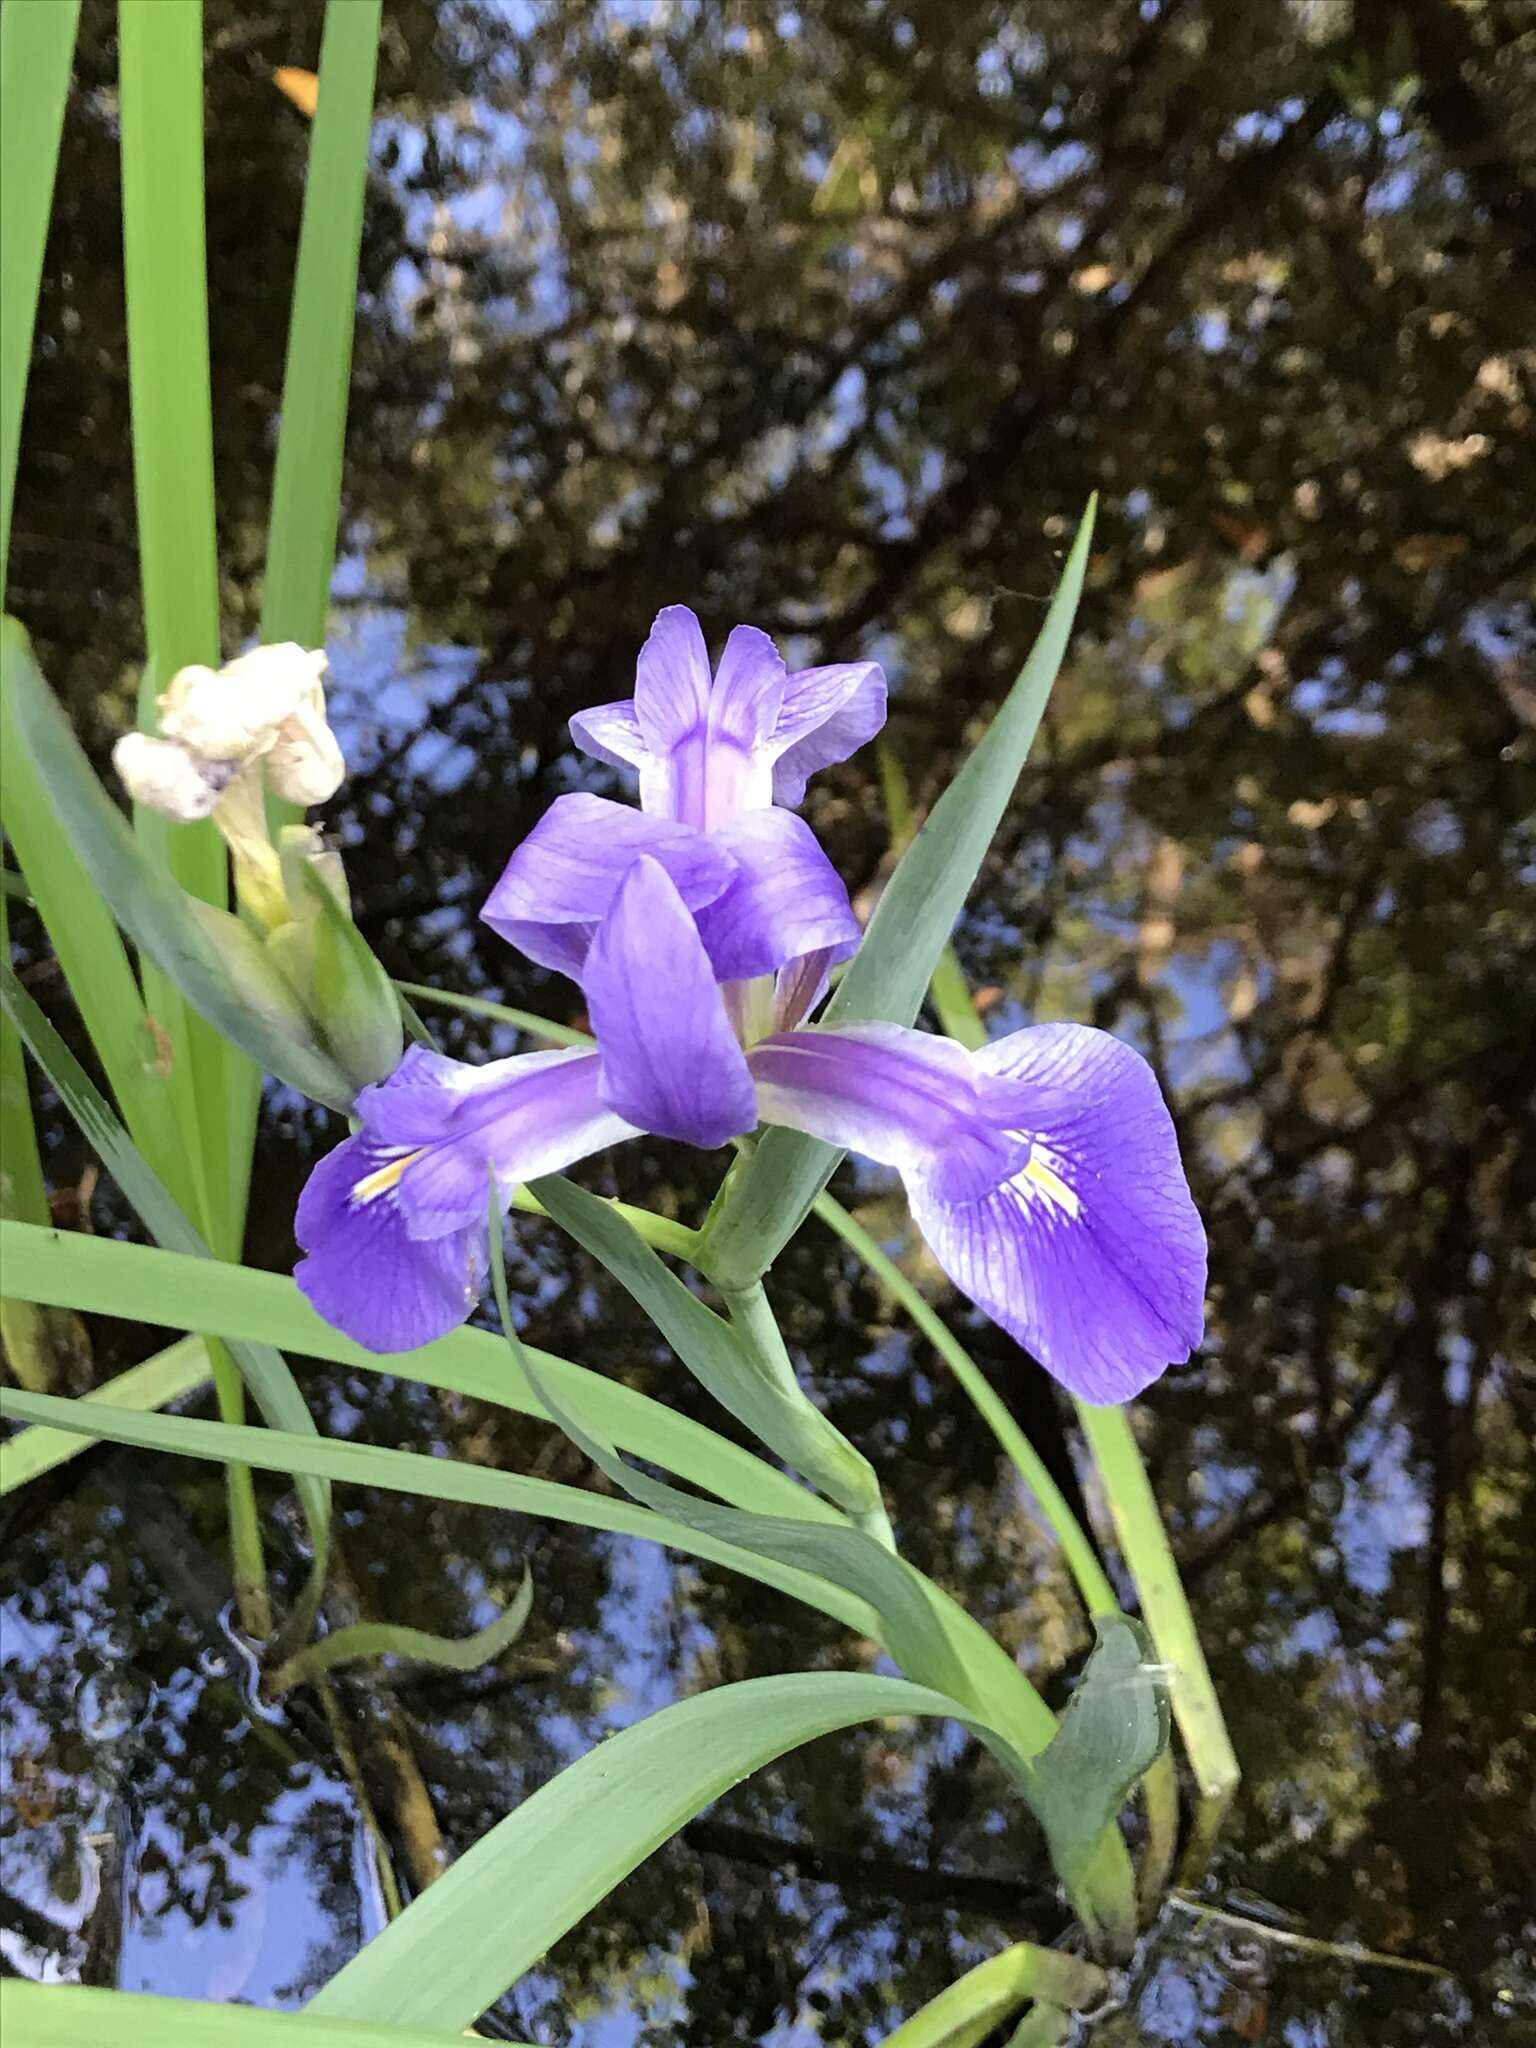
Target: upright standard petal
column 670, row 1062
column 1043, row 1171
column 557, row 887
column 672, row 679
column 710, row 750
column 672, row 711
column 827, row 714
column 611, row 733
column 393, row 1221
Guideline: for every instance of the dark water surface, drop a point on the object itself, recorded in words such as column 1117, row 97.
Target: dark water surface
column 829, row 318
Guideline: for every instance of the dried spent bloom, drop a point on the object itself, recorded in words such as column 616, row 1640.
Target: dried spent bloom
column 267, row 706
column 226, row 735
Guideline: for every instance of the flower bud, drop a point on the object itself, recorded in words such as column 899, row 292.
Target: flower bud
column 331, row 966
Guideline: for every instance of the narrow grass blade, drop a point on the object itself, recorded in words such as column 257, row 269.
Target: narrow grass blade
column 498, row 1013
column 961, row 1020
column 306, row 486
column 37, row 45
column 457, row 1948
column 964, row 2015
column 1146, row 1549
column 80, row 925
column 935, row 1643
column 1161, row 1784
column 178, row 1369
column 102, row 1276
column 26, row 1333
column 68, row 2016
column 165, row 264
column 369, row 1639
column 261, row 1368
column 888, row 976
column 427, row 1478
column 160, row 58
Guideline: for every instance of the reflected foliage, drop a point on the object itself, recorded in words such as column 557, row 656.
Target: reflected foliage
column 829, row 318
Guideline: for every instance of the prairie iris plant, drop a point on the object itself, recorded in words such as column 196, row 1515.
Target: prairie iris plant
column 1043, row 1171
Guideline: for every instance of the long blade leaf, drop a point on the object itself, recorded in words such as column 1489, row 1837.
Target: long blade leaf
column 366, row 1639
column 968, row 2011
column 263, row 1370
column 36, row 46
column 102, row 1276
column 69, row 2016
column 306, row 485
column 887, row 977
column 160, row 61
column 459, row 1946
column 429, row 1478
column 177, row 1370
column 937, row 1643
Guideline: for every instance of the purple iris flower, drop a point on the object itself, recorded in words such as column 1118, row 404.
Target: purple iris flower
column 1043, row 1170
column 709, row 749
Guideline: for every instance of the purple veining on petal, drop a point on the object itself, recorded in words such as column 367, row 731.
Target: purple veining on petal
column 558, row 885
column 393, row 1221
column 364, row 1274
column 611, row 733
column 671, row 1063
column 762, row 892
column 708, row 749
column 828, row 714
column 785, row 900
column 1044, row 1173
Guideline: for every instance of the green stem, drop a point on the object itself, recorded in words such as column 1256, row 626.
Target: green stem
column 248, row 1564
column 659, row 1232
column 1149, row 1557
column 850, row 1480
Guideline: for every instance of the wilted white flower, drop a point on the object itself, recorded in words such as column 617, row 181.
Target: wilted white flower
column 226, row 736
column 266, row 707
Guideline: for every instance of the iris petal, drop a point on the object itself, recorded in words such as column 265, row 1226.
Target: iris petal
column 672, row 680
column 828, row 713
column 365, row 1275
column 785, row 901
column 710, row 750
column 611, row 733
column 1043, row 1171
column 558, row 885
column 394, row 1219
column 670, row 1061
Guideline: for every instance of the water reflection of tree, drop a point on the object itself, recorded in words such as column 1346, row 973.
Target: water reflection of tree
column 832, row 323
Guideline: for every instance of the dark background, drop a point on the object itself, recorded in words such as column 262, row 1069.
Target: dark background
column 829, row 318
